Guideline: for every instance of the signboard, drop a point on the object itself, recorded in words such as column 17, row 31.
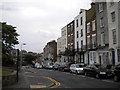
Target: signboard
column 14, row 52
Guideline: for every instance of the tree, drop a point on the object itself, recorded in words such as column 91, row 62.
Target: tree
column 29, row 58
column 9, row 40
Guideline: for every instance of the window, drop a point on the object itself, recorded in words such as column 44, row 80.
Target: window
column 64, row 41
column 81, row 44
column 77, row 44
column 88, row 28
column 82, row 59
column 81, row 32
column 93, row 25
column 113, row 16
column 94, row 56
column 81, row 19
column 88, row 41
column 111, row 2
column 77, row 23
column 101, row 22
column 77, row 34
column 71, row 27
column 102, row 39
column 64, row 32
column 114, row 36
column 118, row 53
column 94, row 40
column 100, row 7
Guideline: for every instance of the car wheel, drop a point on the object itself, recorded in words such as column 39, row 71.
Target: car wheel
column 76, row 72
column 97, row 76
column 86, row 74
column 115, row 78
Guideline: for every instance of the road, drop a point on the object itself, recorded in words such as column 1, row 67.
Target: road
column 35, row 77
column 69, row 80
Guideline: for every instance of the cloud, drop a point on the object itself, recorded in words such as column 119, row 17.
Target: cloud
column 40, row 21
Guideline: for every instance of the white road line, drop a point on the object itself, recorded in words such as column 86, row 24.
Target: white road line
column 83, row 76
column 108, row 81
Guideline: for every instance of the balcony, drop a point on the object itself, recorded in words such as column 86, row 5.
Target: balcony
column 82, row 49
column 92, row 47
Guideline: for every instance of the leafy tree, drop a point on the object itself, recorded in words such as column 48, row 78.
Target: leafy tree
column 9, row 39
column 29, row 58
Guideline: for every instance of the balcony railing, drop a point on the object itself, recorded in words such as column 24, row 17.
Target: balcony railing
column 82, row 49
column 91, row 46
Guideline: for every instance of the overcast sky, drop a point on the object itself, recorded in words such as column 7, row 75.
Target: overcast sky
column 40, row 21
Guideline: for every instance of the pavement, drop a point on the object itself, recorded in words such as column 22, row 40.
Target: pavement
column 28, row 80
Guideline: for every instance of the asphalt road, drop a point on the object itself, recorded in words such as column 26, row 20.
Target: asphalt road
column 42, row 78
column 70, row 80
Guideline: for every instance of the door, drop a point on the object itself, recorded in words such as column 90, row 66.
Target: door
column 100, row 60
column 88, row 59
column 113, row 57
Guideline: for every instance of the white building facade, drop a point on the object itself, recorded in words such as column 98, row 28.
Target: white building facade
column 80, row 37
column 59, row 41
column 64, row 58
column 61, row 46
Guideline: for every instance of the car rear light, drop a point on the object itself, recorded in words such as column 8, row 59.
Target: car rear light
column 66, row 66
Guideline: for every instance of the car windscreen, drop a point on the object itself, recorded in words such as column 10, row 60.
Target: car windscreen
column 102, row 67
column 51, row 63
column 79, row 66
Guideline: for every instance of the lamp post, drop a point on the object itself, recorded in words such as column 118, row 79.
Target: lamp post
column 21, row 55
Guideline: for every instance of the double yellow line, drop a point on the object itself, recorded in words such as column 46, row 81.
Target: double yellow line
column 56, row 82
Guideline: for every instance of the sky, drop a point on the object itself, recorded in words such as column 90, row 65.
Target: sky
column 39, row 21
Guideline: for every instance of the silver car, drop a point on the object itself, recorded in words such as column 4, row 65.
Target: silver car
column 77, row 68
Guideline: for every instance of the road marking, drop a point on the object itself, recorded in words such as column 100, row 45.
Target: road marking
column 27, row 72
column 39, row 83
column 37, row 86
column 108, row 81
column 56, row 82
column 83, row 76
column 90, row 77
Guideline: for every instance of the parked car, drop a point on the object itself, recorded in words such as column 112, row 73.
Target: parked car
column 39, row 66
column 77, row 68
column 49, row 66
column 64, row 67
column 117, row 73
column 98, row 70
column 55, row 66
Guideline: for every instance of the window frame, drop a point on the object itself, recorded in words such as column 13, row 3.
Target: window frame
column 114, row 36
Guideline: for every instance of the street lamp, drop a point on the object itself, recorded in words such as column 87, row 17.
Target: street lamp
column 21, row 55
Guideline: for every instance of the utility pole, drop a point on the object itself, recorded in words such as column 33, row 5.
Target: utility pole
column 17, row 62
column 21, row 56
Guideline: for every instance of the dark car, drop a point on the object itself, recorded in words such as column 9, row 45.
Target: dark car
column 98, row 70
column 64, row 67
column 117, row 73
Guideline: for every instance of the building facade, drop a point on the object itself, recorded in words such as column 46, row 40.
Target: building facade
column 102, row 33
column 59, row 47
column 62, row 45
column 113, row 14
column 70, row 42
column 50, row 51
column 91, row 35
column 80, row 36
